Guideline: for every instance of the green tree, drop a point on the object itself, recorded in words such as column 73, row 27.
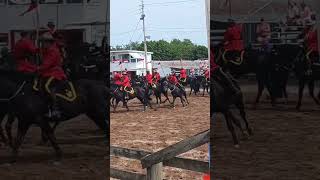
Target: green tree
column 173, row 50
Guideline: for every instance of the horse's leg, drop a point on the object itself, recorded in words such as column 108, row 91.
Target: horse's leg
column 228, row 115
column 174, row 99
column 260, row 90
column 167, row 97
column 311, row 91
column 44, row 135
column 240, row 106
column 285, row 93
column 2, row 136
column 237, row 122
column 204, row 90
column 185, row 95
column 9, row 123
column 148, row 103
column 182, row 100
column 22, row 130
column 45, row 127
column 190, row 92
column 301, row 88
column 126, row 105
column 116, row 105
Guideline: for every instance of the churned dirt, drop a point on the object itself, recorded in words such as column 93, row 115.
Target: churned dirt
column 285, row 144
column 155, row 130
column 85, row 155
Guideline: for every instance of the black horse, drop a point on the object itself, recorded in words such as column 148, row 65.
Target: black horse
column 300, row 62
column 205, row 84
column 30, row 107
column 195, row 83
column 87, row 61
column 176, row 92
column 222, row 102
column 251, row 61
column 138, row 91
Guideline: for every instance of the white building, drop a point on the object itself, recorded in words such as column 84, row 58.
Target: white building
column 130, row 60
column 81, row 21
column 166, row 67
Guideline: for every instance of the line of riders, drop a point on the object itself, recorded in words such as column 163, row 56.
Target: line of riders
column 123, row 82
column 51, row 53
column 233, row 46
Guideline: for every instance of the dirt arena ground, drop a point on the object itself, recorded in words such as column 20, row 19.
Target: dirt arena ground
column 285, row 144
column 155, row 130
column 84, row 155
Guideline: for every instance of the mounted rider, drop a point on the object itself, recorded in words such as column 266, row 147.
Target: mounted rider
column 183, row 75
column 117, row 79
column 23, row 52
column 58, row 38
column 52, row 29
column 156, row 76
column 233, row 42
column 217, row 73
column 126, row 86
column 149, row 79
column 207, row 74
column 310, row 38
column 51, row 71
column 173, row 80
column 264, row 35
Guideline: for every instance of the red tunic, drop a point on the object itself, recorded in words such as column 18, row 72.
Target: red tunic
column 156, row 77
column 173, row 79
column 52, row 64
column 126, row 81
column 149, row 78
column 117, row 79
column 232, row 38
column 183, row 73
column 207, row 73
column 22, row 49
column 312, row 40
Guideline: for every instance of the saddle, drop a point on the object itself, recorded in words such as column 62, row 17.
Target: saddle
column 233, row 57
column 66, row 91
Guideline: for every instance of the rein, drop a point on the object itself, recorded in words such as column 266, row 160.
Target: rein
column 15, row 94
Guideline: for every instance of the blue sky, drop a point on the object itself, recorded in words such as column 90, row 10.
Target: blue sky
column 167, row 19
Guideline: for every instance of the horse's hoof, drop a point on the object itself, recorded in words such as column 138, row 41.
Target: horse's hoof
column 237, row 146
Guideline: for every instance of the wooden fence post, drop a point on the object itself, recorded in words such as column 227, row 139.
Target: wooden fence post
column 155, row 172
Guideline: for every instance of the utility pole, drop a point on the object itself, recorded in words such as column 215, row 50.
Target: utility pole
column 144, row 37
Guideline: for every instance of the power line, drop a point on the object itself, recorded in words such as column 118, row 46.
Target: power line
column 134, row 30
column 126, row 32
